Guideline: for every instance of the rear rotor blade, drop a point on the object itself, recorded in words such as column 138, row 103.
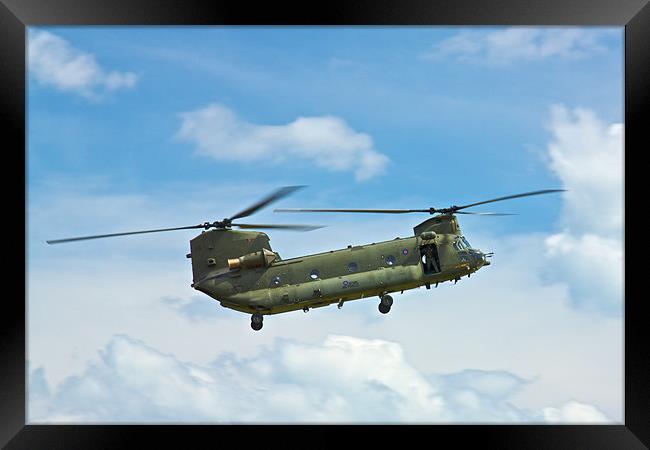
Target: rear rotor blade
column 226, row 223
column 277, row 195
column 526, row 194
column 278, row 226
column 98, row 236
column 383, row 211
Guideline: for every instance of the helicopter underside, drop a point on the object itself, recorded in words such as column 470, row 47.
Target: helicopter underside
column 326, row 292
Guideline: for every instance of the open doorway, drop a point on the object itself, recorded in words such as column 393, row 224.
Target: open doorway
column 430, row 259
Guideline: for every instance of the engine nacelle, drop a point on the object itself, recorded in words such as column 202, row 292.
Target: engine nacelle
column 263, row 258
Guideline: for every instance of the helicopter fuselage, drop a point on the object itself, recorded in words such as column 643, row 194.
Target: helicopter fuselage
column 277, row 286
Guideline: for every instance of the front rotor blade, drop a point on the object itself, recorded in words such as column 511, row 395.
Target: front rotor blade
column 277, row 195
column 278, row 226
column 545, row 191
column 98, row 236
column 485, row 213
column 383, row 211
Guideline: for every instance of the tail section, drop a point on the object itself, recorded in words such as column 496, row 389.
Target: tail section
column 211, row 250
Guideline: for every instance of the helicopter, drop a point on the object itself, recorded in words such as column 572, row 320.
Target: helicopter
column 240, row 270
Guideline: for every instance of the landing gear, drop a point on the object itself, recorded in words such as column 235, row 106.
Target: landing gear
column 257, row 321
column 385, row 304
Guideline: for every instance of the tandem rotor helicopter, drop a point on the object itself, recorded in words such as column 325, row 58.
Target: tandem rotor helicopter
column 241, row 271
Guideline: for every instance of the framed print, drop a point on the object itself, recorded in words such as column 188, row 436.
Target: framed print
column 456, row 173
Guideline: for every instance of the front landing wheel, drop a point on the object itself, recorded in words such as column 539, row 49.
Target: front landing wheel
column 385, row 304
column 257, row 320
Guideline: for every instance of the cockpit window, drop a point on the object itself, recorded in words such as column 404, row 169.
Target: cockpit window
column 461, row 244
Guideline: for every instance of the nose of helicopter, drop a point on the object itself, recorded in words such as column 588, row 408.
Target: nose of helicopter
column 484, row 259
column 480, row 259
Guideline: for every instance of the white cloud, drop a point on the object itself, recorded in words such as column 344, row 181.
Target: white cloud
column 325, row 141
column 575, row 412
column 54, row 61
column 342, row 379
column 517, row 44
column 483, row 396
column 593, row 267
column 587, row 155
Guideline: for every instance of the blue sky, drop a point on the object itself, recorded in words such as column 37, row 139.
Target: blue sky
column 132, row 128
column 482, row 122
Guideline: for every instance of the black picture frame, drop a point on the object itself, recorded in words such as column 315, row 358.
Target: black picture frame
column 16, row 15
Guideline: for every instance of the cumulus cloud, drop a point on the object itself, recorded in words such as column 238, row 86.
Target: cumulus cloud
column 593, row 267
column 483, row 395
column 516, row 44
column 325, row 141
column 587, row 155
column 574, row 412
column 54, row 61
column 343, row 379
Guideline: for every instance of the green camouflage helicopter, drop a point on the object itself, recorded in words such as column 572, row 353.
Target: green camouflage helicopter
column 241, row 271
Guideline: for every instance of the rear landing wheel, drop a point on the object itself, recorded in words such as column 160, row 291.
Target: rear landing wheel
column 387, row 300
column 256, row 326
column 385, row 304
column 384, row 309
